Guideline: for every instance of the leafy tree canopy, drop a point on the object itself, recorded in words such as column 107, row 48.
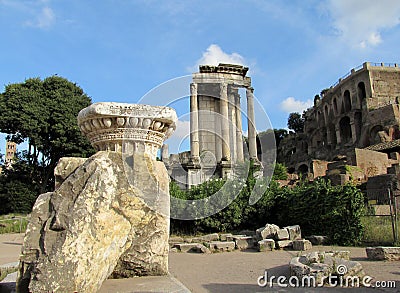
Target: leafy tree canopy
column 296, row 122
column 43, row 113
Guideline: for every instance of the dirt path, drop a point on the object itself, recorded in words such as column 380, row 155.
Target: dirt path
column 238, row 271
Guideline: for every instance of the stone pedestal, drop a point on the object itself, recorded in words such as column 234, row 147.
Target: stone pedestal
column 109, row 215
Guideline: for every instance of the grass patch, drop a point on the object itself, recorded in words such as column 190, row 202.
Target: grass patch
column 377, row 230
column 13, row 223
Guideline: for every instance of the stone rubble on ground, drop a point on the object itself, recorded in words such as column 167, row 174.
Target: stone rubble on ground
column 264, row 239
column 383, row 253
column 321, row 265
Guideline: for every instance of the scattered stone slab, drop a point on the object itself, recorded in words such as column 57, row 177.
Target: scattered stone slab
column 317, row 240
column 220, row 246
column 234, row 237
column 282, row 234
column 223, row 237
column 200, row 248
column 294, row 232
column 266, row 245
column 321, row 265
column 345, row 254
column 244, row 242
column 301, row 245
column 284, row 244
column 186, row 247
column 267, row 232
column 383, row 253
column 174, row 249
column 210, row 237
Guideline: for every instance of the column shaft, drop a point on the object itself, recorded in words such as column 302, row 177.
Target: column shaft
column 239, row 135
column 194, row 122
column 232, row 124
column 225, row 121
column 251, row 123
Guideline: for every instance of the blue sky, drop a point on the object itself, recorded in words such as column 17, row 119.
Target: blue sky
column 119, row 50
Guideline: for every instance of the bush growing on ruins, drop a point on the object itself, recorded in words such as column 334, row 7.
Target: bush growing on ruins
column 280, row 172
column 323, row 209
column 43, row 113
column 296, row 122
column 318, row 207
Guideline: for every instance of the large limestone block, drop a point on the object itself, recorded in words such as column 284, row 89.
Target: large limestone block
column 97, row 224
column 383, row 253
column 267, row 232
column 294, row 232
column 65, row 167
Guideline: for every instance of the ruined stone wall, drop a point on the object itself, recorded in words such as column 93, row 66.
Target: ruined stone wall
column 361, row 110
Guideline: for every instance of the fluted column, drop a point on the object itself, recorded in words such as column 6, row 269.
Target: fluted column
column 226, row 156
column 194, row 123
column 239, row 135
column 251, row 123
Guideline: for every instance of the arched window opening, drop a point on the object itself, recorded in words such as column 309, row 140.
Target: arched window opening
column 347, row 101
column 303, row 169
column 345, row 130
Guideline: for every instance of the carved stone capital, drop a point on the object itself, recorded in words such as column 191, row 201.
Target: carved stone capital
column 127, row 128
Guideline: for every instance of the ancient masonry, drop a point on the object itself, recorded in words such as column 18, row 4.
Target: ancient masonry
column 11, row 149
column 109, row 214
column 355, row 123
column 216, row 137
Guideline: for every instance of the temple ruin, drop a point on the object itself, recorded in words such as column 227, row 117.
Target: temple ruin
column 216, row 136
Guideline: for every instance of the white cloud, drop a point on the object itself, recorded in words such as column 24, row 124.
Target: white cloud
column 215, row 55
column 290, row 105
column 44, row 19
column 360, row 22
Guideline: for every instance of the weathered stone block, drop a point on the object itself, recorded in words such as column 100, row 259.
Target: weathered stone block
column 234, row 237
column 65, row 167
column 219, row 246
column 344, row 254
column 244, row 242
column 317, row 240
column 223, row 237
column 284, row 244
column 186, row 247
column 96, row 224
column 281, row 234
column 383, row 253
column 301, row 245
column 266, row 245
column 267, row 232
column 294, row 232
column 210, row 237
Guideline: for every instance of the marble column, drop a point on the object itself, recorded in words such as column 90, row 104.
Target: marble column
column 251, row 123
column 239, row 134
column 226, row 156
column 194, row 123
column 232, row 122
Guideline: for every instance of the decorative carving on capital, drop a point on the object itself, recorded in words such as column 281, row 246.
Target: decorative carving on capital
column 127, row 128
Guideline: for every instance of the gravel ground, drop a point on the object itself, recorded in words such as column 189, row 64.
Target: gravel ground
column 238, row 271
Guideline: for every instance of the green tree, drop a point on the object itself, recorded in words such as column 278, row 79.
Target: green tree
column 296, row 122
column 43, row 113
